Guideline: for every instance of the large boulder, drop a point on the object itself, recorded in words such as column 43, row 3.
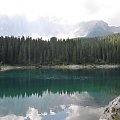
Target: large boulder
column 112, row 111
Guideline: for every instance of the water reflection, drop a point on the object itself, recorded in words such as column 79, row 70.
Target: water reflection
column 56, row 94
column 53, row 106
column 73, row 112
column 25, row 83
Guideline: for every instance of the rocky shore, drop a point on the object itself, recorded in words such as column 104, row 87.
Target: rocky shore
column 6, row 68
column 106, row 66
column 112, row 111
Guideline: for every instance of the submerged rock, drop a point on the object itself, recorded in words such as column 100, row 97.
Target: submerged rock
column 112, row 111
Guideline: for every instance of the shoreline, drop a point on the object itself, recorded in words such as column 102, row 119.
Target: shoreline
column 6, row 68
column 106, row 66
column 72, row 67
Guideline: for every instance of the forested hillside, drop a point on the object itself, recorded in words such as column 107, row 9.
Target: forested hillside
column 26, row 51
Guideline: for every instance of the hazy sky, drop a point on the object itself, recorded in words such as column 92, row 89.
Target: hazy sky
column 70, row 11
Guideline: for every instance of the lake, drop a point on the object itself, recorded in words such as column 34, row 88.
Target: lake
column 50, row 94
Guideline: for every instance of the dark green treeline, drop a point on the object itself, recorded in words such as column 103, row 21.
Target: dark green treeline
column 25, row 51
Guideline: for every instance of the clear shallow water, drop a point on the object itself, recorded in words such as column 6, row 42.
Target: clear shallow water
column 57, row 94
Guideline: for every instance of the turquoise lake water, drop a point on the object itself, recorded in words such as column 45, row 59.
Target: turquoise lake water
column 49, row 94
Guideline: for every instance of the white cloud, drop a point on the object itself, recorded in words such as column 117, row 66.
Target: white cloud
column 84, row 113
column 73, row 112
column 69, row 10
column 32, row 114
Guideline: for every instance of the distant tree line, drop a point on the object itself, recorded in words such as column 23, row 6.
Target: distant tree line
column 25, row 50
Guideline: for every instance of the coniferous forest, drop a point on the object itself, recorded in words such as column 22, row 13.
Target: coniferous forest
column 28, row 51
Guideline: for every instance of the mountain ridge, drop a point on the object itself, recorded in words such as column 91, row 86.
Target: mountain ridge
column 97, row 28
column 46, row 27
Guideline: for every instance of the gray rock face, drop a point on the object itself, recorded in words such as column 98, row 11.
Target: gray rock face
column 112, row 111
column 95, row 28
